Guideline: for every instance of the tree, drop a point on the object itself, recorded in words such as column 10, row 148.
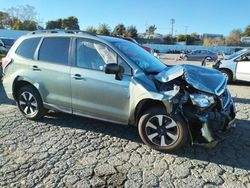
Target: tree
column 28, row 25
column 234, row 38
column 247, row 31
column 23, row 12
column 70, row 23
column 131, row 31
column 5, row 20
column 168, row 39
column 103, row 29
column 181, row 38
column 151, row 29
column 56, row 24
column 120, row 29
column 91, row 29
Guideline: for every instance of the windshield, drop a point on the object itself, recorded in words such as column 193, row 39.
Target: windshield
column 140, row 56
column 236, row 54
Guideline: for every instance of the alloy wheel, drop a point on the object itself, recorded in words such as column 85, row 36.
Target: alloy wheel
column 28, row 103
column 162, row 130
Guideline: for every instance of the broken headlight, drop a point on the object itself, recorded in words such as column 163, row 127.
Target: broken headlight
column 201, row 100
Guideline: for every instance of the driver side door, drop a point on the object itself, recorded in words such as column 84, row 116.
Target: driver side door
column 243, row 68
column 95, row 93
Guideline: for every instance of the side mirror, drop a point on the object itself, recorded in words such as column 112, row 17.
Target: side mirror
column 113, row 68
column 1, row 44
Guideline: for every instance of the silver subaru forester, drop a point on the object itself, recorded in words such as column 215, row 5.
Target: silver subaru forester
column 115, row 80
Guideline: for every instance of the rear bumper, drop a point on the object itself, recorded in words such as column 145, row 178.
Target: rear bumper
column 7, row 88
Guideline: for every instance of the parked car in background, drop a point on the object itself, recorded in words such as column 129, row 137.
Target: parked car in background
column 8, row 42
column 199, row 55
column 3, row 52
column 111, row 79
column 236, row 66
column 134, row 41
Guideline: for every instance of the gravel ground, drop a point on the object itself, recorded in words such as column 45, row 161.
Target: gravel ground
column 69, row 151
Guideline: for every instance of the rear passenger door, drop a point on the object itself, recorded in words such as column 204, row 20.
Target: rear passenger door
column 243, row 68
column 53, row 71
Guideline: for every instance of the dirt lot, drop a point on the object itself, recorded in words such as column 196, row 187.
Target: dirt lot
column 69, row 151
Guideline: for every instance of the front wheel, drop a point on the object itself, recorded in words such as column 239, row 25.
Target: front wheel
column 162, row 132
column 30, row 103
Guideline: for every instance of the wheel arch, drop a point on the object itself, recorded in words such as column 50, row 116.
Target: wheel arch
column 228, row 70
column 144, row 105
column 20, row 82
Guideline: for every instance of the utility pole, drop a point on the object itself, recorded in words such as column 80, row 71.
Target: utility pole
column 186, row 28
column 172, row 22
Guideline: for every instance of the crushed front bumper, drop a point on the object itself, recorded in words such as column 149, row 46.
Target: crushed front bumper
column 215, row 125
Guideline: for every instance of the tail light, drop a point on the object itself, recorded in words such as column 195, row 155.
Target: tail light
column 5, row 62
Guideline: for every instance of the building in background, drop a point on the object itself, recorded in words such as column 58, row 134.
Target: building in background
column 212, row 36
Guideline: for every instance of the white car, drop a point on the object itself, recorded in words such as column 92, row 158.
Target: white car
column 236, row 66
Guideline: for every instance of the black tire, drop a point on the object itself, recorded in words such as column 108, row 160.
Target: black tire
column 180, row 130
column 208, row 58
column 38, row 109
column 228, row 75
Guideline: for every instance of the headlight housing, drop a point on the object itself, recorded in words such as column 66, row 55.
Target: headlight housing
column 202, row 100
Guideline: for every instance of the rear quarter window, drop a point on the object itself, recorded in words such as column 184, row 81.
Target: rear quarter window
column 28, row 47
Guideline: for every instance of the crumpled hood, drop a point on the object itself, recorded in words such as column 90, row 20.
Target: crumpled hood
column 203, row 79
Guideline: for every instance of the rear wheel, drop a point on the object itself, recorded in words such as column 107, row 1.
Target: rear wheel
column 30, row 103
column 227, row 75
column 162, row 132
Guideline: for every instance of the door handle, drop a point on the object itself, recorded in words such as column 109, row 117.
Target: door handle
column 35, row 68
column 78, row 77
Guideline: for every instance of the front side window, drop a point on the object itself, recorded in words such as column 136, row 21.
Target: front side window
column 28, row 47
column 94, row 55
column 55, row 50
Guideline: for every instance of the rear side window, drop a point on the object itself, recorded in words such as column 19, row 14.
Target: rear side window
column 55, row 50
column 28, row 47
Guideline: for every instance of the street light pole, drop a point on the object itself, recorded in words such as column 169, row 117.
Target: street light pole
column 172, row 22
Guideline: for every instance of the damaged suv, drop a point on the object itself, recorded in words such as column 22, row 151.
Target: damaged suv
column 115, row 80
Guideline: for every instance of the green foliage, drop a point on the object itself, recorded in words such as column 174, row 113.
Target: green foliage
column 168, row 39
column 131, row 31
column 151, row 29
column 66, row 23
column 181, row 38
column 56, row 24
column 5, row 20
column 28, row 25
column 70, row 23
column 247, row 31
column 120, row 29
column 91, row 29
column 103, row 29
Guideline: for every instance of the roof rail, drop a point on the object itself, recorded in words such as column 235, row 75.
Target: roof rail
column 60, row 31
